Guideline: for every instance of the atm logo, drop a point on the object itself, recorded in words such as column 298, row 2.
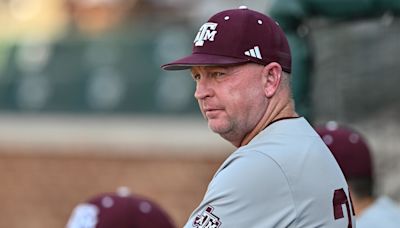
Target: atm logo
column 207, row 219
column 206, row 32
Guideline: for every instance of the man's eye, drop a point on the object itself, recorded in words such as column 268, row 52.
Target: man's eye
column 217, row 74
column 196, row 77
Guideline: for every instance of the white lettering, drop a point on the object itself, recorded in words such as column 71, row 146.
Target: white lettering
column 206, row 32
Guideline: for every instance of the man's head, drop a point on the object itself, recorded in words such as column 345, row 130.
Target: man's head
column 240, row 59
column 353, row 156
column 122, row 210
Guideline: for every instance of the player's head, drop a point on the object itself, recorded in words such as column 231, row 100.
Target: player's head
column 119, row 210
column 352, row 154
column 238, row 60
column 234, row 37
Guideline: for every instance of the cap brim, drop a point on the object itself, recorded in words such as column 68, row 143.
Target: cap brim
column 198, row 59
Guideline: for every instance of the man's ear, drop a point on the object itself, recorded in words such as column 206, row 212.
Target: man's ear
column 272, row 75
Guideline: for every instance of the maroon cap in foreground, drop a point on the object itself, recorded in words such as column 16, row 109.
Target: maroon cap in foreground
column 111, row 210
column 237, row 36
column 349, row 148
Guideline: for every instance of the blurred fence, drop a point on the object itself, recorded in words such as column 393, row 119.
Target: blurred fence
column 356, row 68
column 355, row 81
column 112, row 73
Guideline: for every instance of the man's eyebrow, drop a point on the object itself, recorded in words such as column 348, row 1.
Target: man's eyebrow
column 193, row 71
column 217, row 67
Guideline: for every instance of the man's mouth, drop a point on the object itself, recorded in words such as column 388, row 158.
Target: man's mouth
column 211, row 112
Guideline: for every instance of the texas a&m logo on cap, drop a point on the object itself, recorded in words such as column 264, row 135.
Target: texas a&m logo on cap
column 207, row 32
column 207, row 219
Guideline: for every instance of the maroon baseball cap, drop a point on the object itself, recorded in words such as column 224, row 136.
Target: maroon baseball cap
column 349, row 148
column 237, row 36
column 116, row 210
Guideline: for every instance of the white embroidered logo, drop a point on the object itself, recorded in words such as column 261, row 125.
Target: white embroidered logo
column 83, row 216
column 207, row 219
column 254, row 52
column 206, row 32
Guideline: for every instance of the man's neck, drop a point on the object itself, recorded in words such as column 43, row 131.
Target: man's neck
column 279, row 107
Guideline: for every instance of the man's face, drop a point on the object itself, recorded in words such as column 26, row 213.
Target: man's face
column 232, row 99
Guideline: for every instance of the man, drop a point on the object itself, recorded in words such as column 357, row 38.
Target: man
column 119, row 210
column 354, row 158
column 282, row 174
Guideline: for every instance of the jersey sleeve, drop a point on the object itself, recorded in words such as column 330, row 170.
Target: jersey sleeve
column 251, row 191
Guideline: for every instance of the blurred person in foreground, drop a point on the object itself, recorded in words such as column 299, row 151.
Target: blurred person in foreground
column 119, row 210
column 356, row 161
column 281, row 174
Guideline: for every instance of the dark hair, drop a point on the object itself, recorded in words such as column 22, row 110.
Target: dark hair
column 361, row 187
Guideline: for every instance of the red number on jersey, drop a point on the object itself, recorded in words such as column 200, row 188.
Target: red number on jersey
column 340, row 198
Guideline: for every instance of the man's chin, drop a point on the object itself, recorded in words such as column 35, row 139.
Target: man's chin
column 219, row 128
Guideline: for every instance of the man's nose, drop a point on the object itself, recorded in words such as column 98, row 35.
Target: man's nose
column 203, row 89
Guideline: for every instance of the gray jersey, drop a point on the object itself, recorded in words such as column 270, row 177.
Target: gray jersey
column 285, row 177
column 384, row 212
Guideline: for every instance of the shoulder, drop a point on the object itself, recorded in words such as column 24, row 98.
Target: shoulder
column 287, row 135
column 251, row 176
column 246, row 163
column 250, row 181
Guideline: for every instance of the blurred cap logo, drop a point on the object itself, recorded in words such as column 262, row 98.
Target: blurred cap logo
column 84, row 216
